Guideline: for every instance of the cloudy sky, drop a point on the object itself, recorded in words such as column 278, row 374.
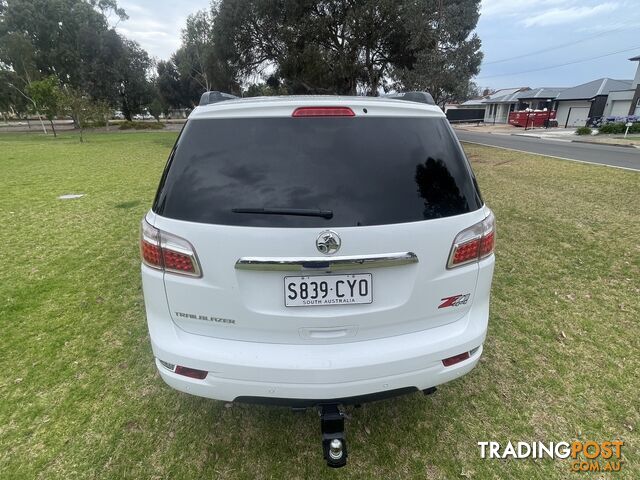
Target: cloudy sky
column 531, row 43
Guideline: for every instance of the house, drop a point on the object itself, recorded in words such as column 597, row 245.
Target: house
column 534, row 107
column 538, row 98
column 622, row 103
column 500, row 103
column 578, row 105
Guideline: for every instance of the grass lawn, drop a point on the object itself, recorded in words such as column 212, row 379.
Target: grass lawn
column 80, row 397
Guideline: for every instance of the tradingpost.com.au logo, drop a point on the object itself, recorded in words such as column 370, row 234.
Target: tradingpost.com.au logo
column 586, row 456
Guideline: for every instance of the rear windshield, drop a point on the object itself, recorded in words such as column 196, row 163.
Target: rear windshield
column 365, row 171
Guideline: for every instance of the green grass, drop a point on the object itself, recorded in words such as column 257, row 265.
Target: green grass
column 80, row 398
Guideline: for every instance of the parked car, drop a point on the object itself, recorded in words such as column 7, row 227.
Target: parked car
column 316, row 251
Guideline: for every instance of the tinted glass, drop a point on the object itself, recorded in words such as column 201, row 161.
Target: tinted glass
column 368, row 171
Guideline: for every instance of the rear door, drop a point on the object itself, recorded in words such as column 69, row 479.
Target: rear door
column 398, row 189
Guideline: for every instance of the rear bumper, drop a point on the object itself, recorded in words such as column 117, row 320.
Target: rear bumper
column 316, row 372
column 306, row 394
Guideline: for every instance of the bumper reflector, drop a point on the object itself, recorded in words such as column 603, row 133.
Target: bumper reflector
column 191, row 372
column 447, row 362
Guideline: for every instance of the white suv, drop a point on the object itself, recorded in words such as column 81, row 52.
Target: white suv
column 314, row 250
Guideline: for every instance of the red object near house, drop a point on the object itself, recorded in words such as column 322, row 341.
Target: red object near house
column 531, row 119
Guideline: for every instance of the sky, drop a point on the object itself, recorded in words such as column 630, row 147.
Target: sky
column 521, row 39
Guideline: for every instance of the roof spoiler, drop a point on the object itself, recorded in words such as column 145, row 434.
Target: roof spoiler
column 208, row 98
column 420, row 97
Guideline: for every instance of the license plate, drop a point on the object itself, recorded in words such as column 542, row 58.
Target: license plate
column 318, row 290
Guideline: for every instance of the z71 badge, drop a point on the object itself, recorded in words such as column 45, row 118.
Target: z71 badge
column 454, row 301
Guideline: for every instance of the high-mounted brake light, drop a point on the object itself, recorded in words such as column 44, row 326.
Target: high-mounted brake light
column 323, row 112
column 167, row 252
column 473, row 243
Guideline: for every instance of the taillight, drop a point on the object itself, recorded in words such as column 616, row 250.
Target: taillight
column 167, row 252
column 474, row 243
column 150, row 245
column 323, row 112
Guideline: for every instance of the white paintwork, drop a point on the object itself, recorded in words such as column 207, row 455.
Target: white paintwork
column 330, row 370
column 576, row 111
column 259, row 347
column 256, row 107
column 500, row 114
column 618, row 103
column 620, row 108
column 636, row 78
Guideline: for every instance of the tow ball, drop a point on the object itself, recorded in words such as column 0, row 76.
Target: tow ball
column 334, row 445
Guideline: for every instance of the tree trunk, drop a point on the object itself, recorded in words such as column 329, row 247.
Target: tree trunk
column 44, row 129
column 53, row 128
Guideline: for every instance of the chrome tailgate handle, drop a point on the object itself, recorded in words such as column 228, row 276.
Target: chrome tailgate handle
column 347, row 262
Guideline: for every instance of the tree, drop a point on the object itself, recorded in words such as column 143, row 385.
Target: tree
column 446, row 52
column 45, row 95
column 168, row 84
column 67, row 38
column 197, row 61
column 196, row 51
column 174, row 89
column 134, row 87
column 11, row 100
column 80, row 107
column 263, row 90
column 349, row 46
column 335, row 46
column 157, row 108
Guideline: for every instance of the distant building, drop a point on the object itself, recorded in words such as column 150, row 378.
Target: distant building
column 577, row 105
column 538, row 98
column 622, row 103
column 500, row 103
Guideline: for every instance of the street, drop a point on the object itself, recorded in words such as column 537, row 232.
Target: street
column 610, row 155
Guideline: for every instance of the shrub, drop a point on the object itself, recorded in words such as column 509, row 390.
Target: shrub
column 127, row 125
column 583, row 131
column 96, row 123
column 612, row 128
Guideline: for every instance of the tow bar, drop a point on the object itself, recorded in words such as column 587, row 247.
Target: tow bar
column 334, row 445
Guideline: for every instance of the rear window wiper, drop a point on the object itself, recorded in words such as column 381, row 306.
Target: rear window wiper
column 300, row 212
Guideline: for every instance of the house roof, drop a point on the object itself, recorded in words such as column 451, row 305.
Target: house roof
column 473, row 101
column 510, row 98
column 503, row 92
column 543, row 92
column 586, row 91
column 635, row 58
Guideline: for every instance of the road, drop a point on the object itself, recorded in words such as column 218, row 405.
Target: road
column 610, row 155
